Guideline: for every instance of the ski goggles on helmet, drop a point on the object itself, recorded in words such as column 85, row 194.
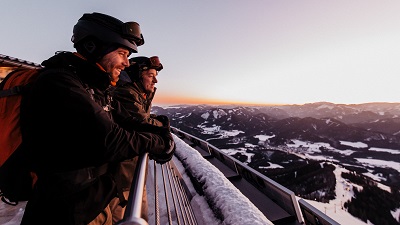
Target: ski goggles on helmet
column 155, row 63
column 131, row 31
column 142, row 63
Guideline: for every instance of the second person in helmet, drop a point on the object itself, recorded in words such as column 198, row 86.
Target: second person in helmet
column 136, row 88
column 135, row 91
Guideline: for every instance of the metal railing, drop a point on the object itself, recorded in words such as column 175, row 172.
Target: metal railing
column 134, row 206
column 171, row 191
column 172, row 198
column 303, row 211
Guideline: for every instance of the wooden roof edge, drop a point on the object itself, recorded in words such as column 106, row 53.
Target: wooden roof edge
column 12, row 61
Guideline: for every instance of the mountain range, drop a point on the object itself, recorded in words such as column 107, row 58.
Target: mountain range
column 377, row 124
column 297, row 146
column 374, row 126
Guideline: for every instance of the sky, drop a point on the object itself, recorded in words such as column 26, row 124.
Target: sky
column 231, row 51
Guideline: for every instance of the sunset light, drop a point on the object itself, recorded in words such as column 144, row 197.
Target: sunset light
column 245, row 52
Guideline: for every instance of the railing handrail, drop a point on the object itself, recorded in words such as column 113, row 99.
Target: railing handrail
column 172, row 188
column 134, row 206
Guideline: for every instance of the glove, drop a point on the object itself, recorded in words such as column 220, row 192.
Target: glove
column 164, row 120
column 167, row 154
column 151, row 128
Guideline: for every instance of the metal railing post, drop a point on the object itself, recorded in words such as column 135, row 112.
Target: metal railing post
column 134, row 206
column 181, row 204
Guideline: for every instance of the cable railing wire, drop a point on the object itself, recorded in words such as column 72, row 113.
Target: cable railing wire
column 157, row 206
column 166, row 195
column 174, row 195
column 184, row 203
column 173, row 190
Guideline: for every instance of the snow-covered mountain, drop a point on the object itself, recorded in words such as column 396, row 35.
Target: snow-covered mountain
column 232, row 127
column 285, row 140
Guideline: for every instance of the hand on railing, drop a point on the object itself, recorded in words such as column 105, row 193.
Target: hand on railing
column 160, row 153
column 164, row 120
column 167, row 154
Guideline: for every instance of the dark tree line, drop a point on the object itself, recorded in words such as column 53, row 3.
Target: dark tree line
column 372, row 203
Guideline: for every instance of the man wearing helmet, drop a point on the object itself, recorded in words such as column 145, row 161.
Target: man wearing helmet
column 136, row 88
column 135, row 91
column 76, row 136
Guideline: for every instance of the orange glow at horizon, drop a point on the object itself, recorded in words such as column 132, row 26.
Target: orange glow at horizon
column 174, row 100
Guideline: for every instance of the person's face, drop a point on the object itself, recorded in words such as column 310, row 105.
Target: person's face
column 149, row 79
column 114, row 62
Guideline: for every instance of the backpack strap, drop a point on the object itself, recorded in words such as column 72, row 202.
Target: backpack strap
column 11, row 91
column 16, row 81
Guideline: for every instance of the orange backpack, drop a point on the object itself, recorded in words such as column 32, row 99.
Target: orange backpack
column 16, row 177
column 16, row 180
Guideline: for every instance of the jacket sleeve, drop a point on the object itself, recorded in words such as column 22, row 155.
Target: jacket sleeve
column 130, row 100
column 122, row 143
column 66, row 118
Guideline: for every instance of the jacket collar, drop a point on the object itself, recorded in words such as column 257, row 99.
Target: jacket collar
column 90, row 73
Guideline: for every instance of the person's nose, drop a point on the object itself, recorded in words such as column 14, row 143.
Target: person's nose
column 126, row 62
column 155, row 80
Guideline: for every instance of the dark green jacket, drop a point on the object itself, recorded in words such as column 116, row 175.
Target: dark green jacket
column 131, row 96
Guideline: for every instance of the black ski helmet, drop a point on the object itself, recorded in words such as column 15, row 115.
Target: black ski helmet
column 97, row 34
column 142, row 63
